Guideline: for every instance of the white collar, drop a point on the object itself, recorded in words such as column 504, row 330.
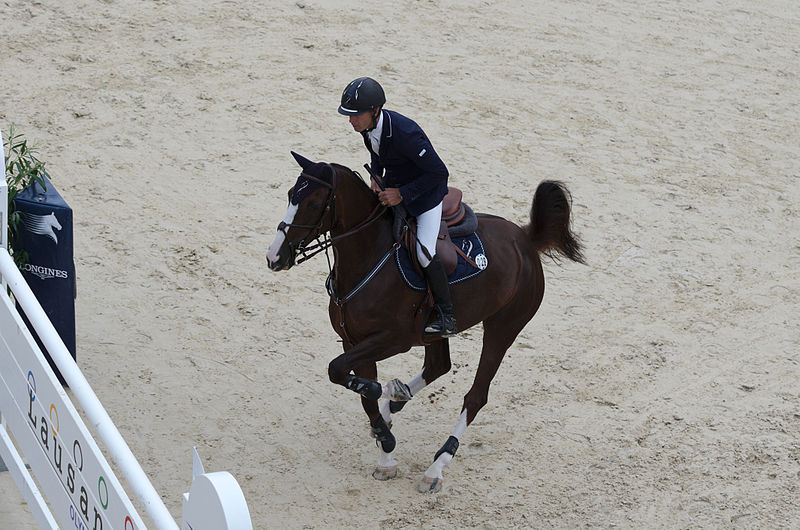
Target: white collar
column 378, row 130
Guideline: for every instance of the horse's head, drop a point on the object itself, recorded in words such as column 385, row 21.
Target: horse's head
column 53, row 220
column 309, row 215
column 43, row 225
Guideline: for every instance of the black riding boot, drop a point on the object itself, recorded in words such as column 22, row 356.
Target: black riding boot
column 445, row 324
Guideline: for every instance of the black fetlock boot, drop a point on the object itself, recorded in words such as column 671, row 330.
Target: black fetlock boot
column 445, row 324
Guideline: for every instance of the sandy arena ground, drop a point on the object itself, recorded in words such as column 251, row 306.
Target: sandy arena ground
column 657, row 386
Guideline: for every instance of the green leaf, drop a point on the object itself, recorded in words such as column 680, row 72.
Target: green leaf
column 22, row 169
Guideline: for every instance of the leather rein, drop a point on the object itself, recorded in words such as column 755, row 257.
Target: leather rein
column 322, row 242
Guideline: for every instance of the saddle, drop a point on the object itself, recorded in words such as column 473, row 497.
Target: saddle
column 453, row 210
column 458, row 220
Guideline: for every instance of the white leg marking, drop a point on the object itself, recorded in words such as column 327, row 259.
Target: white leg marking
column 435, row 469
column 385, row 412
column 386, row 460
column 417, row 384
column 275, row 247
column 386, row 468
column 434, row 472
column 462, row 425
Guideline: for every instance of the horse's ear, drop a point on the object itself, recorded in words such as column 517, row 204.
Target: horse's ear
column 304, row 162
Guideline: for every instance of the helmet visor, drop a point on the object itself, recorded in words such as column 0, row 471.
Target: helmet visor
column 351, row 112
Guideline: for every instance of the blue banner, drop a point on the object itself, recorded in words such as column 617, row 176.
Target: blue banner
column 46, row 234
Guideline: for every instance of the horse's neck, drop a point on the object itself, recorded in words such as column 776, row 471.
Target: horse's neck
column 357, row 252
column 359, row 243
column 355, row 203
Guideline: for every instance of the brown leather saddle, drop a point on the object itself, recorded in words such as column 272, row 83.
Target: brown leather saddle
column 457, row 219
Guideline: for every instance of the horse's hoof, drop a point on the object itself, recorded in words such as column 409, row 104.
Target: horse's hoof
column 429, row 485
column 398, row 391
column 384, row 473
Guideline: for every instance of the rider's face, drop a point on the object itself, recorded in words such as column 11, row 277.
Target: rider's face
column 361, row 122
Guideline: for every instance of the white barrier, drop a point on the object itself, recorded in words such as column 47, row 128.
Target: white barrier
column 80, row 488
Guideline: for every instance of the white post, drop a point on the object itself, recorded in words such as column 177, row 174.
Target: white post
column 215, row 500
column 97, row 415
column 8, row 453
column 3, row 202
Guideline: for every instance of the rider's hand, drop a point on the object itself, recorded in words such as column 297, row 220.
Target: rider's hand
column 390, row 197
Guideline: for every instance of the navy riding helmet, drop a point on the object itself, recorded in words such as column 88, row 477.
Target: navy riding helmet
column 361, row 95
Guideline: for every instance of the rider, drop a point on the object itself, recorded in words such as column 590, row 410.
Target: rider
column 414, row 176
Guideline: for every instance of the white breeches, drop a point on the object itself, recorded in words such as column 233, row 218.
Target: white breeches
column 427, row 232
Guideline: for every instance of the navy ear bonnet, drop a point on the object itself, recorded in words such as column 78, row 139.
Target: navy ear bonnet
column 304, row 187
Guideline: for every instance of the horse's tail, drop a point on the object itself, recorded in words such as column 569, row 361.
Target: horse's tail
column 549, row 228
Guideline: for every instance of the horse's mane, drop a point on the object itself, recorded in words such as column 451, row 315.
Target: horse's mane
column 353, row 174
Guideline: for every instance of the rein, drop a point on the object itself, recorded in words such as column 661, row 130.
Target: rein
column 330, row 204
column 329, row 241
column 324, row 241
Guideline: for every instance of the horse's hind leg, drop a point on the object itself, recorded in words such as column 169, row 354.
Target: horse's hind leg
column 432, row 479
column 436, row 364
column 499, row 333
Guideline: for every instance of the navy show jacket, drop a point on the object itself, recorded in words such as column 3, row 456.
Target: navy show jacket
column 408, row 161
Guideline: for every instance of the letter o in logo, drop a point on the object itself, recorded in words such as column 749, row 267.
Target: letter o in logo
column 77, row 446
column 54, row 411
column 129, row 522
column 101, row 485
column 31, row 385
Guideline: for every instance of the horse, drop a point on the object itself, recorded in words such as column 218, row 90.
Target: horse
column 43, row 225
column 377, row 315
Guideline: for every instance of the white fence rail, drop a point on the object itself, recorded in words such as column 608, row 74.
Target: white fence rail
column 78, row 486
column 62, row 453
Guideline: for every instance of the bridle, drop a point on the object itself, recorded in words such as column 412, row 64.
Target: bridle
column 314, row 231
column 323, row 241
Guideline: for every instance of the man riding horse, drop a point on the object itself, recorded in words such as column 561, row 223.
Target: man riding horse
column 333, row 207
column 413, row 176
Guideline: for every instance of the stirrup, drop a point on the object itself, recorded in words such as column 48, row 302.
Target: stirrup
column 444, row 326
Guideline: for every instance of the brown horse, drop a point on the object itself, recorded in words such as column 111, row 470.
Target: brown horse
column 377, row 315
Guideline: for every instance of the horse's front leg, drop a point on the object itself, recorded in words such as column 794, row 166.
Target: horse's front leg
column 361, row 359
column 387, row 466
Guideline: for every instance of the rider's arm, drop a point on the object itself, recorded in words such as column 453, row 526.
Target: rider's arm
column 419, row 151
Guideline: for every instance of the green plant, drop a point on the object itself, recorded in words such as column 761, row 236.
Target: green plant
column 22, row 169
